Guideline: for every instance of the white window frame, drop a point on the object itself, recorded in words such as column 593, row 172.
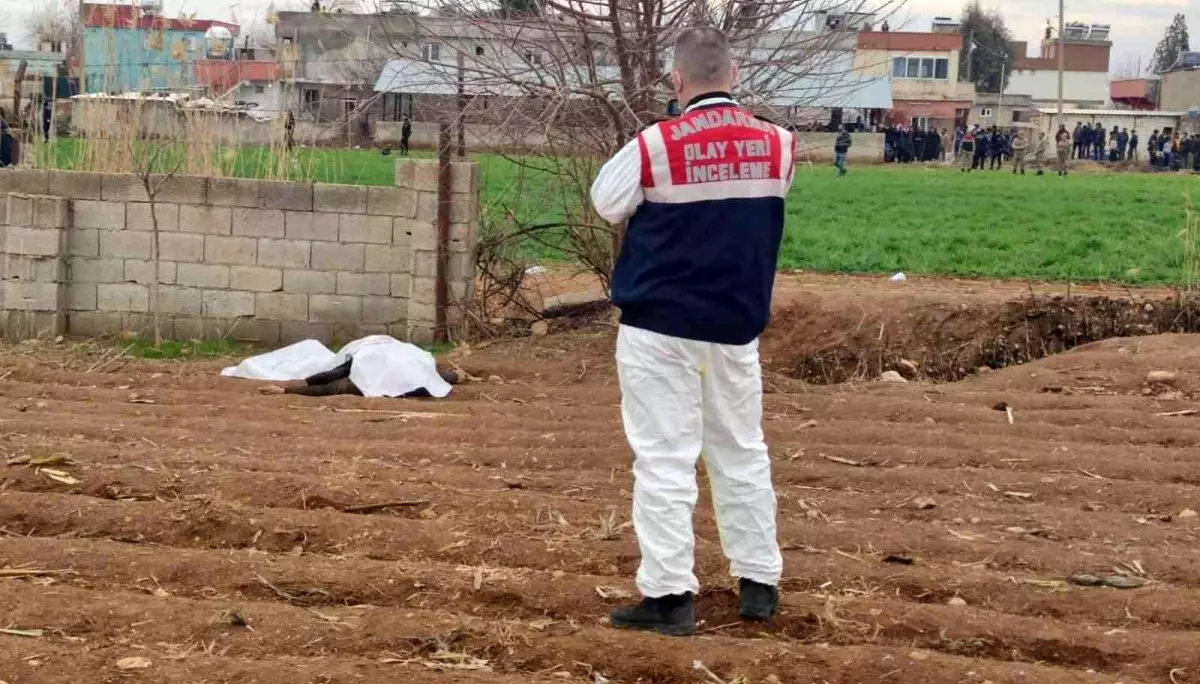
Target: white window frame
column 986, row 112
column 913, row 68
column 534, row 58
column 431, row 52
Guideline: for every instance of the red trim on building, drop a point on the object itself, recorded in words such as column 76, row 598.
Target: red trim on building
column 902, row 110
column 909, row 42
column 222, row 74
column 1135, row 93
column 94, row 15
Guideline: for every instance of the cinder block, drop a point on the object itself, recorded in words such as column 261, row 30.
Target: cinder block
column 143, row 324
column 310, row 282
column 307, row 225
column 180, row 189
column 76, row 184
column 425, row 175
column 464, row 208
column 467, row 233
column 94, row 323
column 99, row 215
column 81, row 270
column 187, row 247
column 255, row 331
column 51, row 212
column 30, row 325
column 20, row 211
column 464, row 177
column 286, row 195
column 122, row 297
column 421, row 334
column 202, row 275
column 139, row 271
column 361, row 228
column 28, row 181
column 404, row 173
column 421, row 311
column 278, row 306
column 401, row 285
column 124, row 244
column 418, row 235
column 176, row 301
column 230, row 250
column 237, row 329
column 334, row 309
column 424, row 290
column 137, row 217
column 255, row 278
column 258, row 222
column 85, row 243
column 425, row 264
column 227, row 304
column 38, row 269
column 364, row 284
column 284, row 253
column 383, row 201
column 459, row 267
column 234, row 192
column 34, row 241
column 123, row 187
column 327, row 256
column 81, row 297
column 384, row 310
column 293, row 331
column 388, row 259
column 427, row 207
column 205, row 219
column 342, row 199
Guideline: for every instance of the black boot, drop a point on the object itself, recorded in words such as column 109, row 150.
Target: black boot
column 1040, row 172
column 759, row 602
column 1014, row 172
column 672, row 615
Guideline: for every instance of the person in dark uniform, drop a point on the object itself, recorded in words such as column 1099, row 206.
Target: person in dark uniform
column 982, row 142
column 996, row 149
column 405, row 134
column 1098, row 139
column 47, row 118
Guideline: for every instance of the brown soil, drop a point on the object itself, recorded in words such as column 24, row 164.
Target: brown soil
column 213, row 531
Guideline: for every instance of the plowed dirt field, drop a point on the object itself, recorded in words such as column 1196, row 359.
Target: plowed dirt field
column 161, row 524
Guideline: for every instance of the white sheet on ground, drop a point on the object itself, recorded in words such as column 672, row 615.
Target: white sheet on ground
column 383, row 366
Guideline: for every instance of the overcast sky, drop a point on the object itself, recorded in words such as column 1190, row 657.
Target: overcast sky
column 1138, row 25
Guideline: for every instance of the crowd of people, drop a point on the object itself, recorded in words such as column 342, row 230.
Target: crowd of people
column 1174, row 152
column 907, row 144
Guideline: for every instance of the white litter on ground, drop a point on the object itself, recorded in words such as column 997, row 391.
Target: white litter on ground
column 383, row 366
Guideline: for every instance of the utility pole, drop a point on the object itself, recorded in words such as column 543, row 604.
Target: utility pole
column 1000, row 98
column 1062, row 45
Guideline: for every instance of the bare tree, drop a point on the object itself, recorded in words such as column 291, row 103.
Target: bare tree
column 155, row 163
column 574, row 80
column 55, row 22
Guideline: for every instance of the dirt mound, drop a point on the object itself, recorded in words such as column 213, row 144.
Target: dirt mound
column 951, row 341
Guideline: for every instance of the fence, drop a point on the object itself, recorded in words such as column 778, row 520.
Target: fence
column 263, row 261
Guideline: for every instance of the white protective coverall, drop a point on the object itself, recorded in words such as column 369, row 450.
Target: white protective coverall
column 682, row 399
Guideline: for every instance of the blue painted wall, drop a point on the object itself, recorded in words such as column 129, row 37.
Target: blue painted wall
column 128, row 59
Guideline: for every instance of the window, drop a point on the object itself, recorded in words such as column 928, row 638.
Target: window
column 311, row 100
column 287, row 40
column 431, row 52
column 920, row 122
column 259, row 90
column 985, row 111
column 533, row 58
column 478, row 50
column 921, row 67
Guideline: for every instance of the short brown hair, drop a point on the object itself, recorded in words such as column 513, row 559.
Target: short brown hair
column 702, row 56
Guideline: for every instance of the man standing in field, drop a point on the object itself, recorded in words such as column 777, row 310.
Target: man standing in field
column 1020, row 146
column 966, row 152
column 1062, row 141
column 841, row 148
column 1039, row 153
column 704, row 196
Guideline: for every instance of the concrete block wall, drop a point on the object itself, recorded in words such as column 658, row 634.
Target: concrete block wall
column 264, row 261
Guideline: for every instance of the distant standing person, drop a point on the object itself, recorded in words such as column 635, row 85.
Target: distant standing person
column 947, row 142
column 47, row 117
column 1039, row 153
column 996, row 149
column 1133, row 146
column 1020, row 146
column 1062, row 142
column 841, row 148
column 966, row 152
column 289, row 129
column 405, row 134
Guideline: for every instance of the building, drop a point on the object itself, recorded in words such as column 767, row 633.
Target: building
column 922, row 69
column 250, row 82
column 993, row 109
column 134, row 48
column 1181, row 84
column 1086, row 52
column 1135, row 93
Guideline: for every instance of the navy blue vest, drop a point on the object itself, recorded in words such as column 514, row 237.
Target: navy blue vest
column 698, row 260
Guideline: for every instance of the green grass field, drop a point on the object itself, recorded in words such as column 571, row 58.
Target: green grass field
column 1087, row 227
